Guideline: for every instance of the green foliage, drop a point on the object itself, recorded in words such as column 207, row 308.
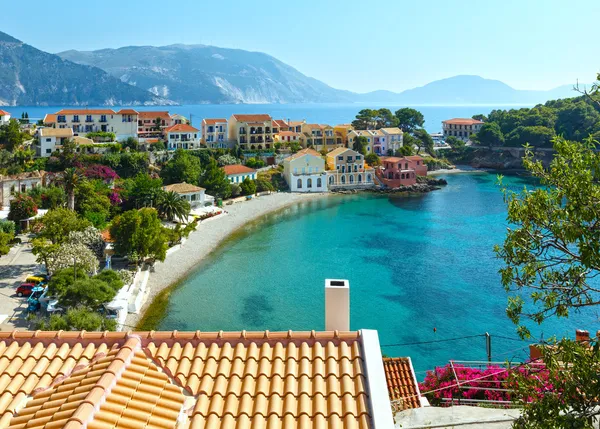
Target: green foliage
column 456, row 144
column 139, row 235
column 78, row 319
column 480, row 117
column 248, row 187
column 127, row 164
column 7, row 226
column 275, row 177
column 63, row 279
column 552, row 247
column 58, row 223
column 227, row 159
column 70, row 179
column 44, row 250
column 141, row 191
column 22, row 207
column 99, row 136
column 157, row 147
column 409, row 119
column 255, row 163
column 131, row 143
column 374, row 119
column 183, row 167
column 11, row 136
column 92, row 201
column 48, row 198
column 372, row 159
column 295, row 147
column 215, row 181
column 171, row 206
column 360, row 145
column 407, row 149
column 489, row 135
column 537, row 136
column 423, row 139
column 5, row 240
column 263, row 185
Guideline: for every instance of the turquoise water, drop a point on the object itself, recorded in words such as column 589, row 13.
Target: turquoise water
column 414, row 263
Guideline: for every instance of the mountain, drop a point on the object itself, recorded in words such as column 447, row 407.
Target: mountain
column 467, row 90
column 29, row 76
column 197, row 74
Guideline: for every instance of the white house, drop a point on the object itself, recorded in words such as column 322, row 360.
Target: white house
column 48, row 138
column 304, row 171
column 4, row 117
column 237, row 173
column 193, row 194
column 123, row 123
column 214, row 132
column 182, row 136
column 394, row 139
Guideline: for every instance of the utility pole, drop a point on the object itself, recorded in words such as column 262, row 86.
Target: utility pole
column 488, row 346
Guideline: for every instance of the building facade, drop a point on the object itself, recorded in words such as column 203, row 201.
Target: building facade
column 367, row 134
column 182, row 136
column 394, row 139
column 48, row 138
column 396, row 172
column 82, row 121
column 237, row 173
column 194, row 195
column 341, row 134
column 10, row 185
column 251, row 132
column 214, row 133
column 347, row 168
column 304, row 171
column 462, row 128
column 151, row 124
column 320, row 137
column 4, row 117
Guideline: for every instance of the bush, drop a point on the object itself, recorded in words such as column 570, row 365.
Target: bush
column 236, row 191
column 22, row 207
column 101, row 136
column 248, row 187
column 255, row 163
column 263, row 185
column 372, row 159
column 7, row 226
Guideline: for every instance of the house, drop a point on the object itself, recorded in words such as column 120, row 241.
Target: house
column 49, row 138
column 304, row 171
column 287, row 137
column 462, row 128
column 214, row 133
column 341, row 134
column 23, row 182
column 394, row 139
column 418, row 164
column 395, row 172
column 347, row 168
column 237, row 173
column 280, row 125
column 193, row 194
column 151, row 124
column 367, row 134
column 296, row 126
column 4, row 117
column 82, row 121
column 177, row 119
column 251, row 132
column 319, row 136
column 182, row 136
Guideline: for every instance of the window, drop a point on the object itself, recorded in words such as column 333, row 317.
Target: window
column 309, row 183
column 319, row 182
column 340, row 158
column 12, row 189
column 88, row 118
column 303, row 170
column 23, row 188
column 193, row 197
column 48, row 150
column 299, row 186
column 349, row 158
column 48, row 140
column 368, row 178
column 309, row 170
column 330, row 180
column 295, row 171
column 75, row 118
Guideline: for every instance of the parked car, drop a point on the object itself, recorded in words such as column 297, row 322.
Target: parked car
column 25, row 289
column 37, row 278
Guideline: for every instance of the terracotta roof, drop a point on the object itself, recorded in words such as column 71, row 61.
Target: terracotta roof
column 253, row 118
column 231, row 170
column 181, row 128
column 50, row 118
column 56, row 132
column 307, row 151
column 127, row 112
column 279, row 123
column 82, row 140
column 103, row 380
column 183, row 188
column 462, row 121
column 344, row 126
column 415, row 158
column 212, row 121
column 296, row 123
column 4, row 112
column 392, row 159
column 86, row 112
column 154, row 115
column 288, row 133
column 401, row 381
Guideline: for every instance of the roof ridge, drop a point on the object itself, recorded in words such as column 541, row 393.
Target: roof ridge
column 88, row 407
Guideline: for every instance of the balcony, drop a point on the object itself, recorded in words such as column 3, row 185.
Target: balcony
column 103, row 119
column 269, row 139
column 243, row 140
column 242, row 131
column 75, row 120
column 88, row 120
column 267, row 130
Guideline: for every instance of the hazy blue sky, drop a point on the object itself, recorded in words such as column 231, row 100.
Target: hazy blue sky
column 348, row 44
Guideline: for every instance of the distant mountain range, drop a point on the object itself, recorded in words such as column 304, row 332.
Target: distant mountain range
column 199, row 74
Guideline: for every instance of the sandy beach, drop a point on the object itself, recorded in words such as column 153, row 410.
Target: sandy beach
column 207, row 237
column 459, row 169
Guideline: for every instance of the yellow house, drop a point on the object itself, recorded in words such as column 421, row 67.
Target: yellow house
column 368, row 134
column 320, row 136
column 251, row 132
column 347, row 168
column 341, row 133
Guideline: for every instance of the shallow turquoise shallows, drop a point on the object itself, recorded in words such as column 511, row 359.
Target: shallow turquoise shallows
column 414, row 264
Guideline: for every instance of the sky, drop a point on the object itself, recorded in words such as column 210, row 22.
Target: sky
column 355, row 45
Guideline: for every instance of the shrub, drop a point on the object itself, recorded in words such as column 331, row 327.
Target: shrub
column 22, row 207
column 263, row 185
column 101, row 172
column 7, row 226
column 236, row 191
column 248, row 187
column 255, row 163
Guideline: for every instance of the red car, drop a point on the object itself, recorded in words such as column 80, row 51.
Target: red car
column 25, row 289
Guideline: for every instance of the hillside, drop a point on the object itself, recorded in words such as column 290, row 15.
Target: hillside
column 29, row 76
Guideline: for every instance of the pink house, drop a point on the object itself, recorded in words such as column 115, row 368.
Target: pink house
column 416, row 163
column 396, row 172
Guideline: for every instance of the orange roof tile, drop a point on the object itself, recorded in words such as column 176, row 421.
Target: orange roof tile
column 288, row 133
column 181, row 128
column 86, row 112
column 50, row 118
column 212, row 121
column 401, row 381
column 4, row 112
column 415, row 158
column 231, row 170
column 127, row 112
column 279, row 123
column 462, row 121
column 154, row 114
column 307, row 151
column 198, row 379
column 253, row 118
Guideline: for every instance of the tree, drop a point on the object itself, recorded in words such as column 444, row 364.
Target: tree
column 139, row 235
column 11, row 136
column 263, row 184
column 490, row 135
column 372, row 159
column 255, row 163
column 157, row 124
column 183, row 167
column 360, row 145
column 79, row 319
column 551, row 257
column 248, row 187
column 228, row 160
column 44, row 250
column 5, row 240
column 70, row 179
column 59, row 223
column 384, row 118
column 409, row 119
column 141, row 191
column 365, row 119
column 215, row 181
column 131, row 143
column 22, row 207
column 424, row 140
column 68, row 255
column 92, row 201
column 48, row 198
column 171, row 206
column 480, row 117
column 455, row 143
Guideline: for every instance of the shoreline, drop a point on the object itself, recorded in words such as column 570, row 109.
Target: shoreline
column 458, row 170
column 207, row 237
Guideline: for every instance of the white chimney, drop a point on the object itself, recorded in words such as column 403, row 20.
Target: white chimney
column 337, row 305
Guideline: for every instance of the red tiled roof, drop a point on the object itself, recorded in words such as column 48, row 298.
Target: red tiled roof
column 415, row 158
column 391, row 159
column 50, row 118
column 288, row 133
column 279, row 123
column 401, row 381
column 86, row 112
column 219, row 380
column 127, row 112
column 253, row 118
column 181, row 128
column 154, row 115
column 462, row 121
column 4, row 112
column 212, row 121
column 231, row 170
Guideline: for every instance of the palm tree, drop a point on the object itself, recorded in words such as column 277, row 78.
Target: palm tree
column 70, row 180
column 172, row 206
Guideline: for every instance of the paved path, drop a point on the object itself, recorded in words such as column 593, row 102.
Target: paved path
column 14, row 269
